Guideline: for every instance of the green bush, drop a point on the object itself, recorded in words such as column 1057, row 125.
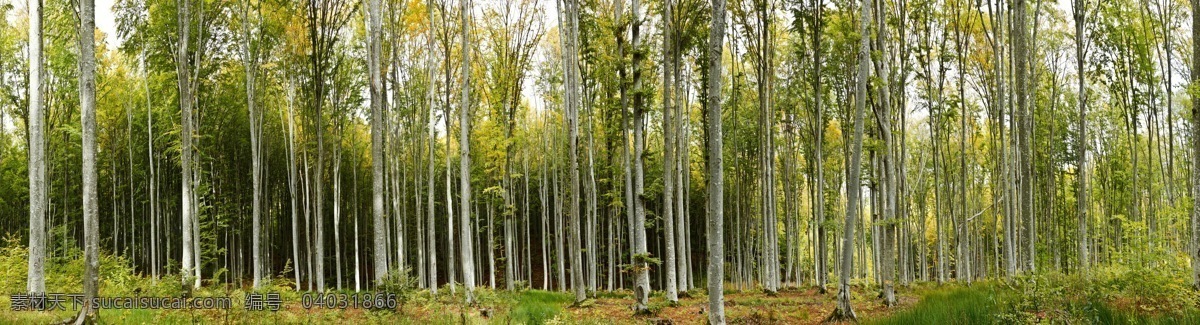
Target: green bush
column 64, row 272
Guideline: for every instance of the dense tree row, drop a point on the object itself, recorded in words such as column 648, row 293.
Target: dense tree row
column 886, row 142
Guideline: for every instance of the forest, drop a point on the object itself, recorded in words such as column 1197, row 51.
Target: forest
column 602, row 161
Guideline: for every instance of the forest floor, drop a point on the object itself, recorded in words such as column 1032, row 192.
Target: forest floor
column 981, row 303
column 789, row 306
column 1157, row 293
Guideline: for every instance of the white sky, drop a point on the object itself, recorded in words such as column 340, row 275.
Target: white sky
column 106, row 21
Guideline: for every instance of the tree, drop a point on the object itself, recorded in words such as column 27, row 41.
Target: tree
column 844, row 309
column 571, row 69
column 1024, row 127
column 1195, row 220
column 668, row 155
column 819, row 148
column 641, row 257
column 884, row 115
column 431, row 238
column 464, row 130
column 716, row 181
column 1081, row 198
column 184, row 76
column 36, row 279
column 325, row 19
column 250, row 33
column 380, row 226
column 87, row 101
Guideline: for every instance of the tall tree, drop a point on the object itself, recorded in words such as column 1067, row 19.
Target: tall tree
column 250, row 32
column 36, row 279
column 640, row 255
column 184, row 76
column 431, row 238
column 844, row 310
column 819, row 149
column 571, row 70
column 376, row 75
column 464, row 130
column 1024, row 128
column 325, row 19
column 668, row 155
column 884, row 117
column 716, row 179
column 1195, row 149
column 1081, row 199
column 87, row 103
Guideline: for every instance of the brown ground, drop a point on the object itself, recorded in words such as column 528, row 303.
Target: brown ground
column 791, row 306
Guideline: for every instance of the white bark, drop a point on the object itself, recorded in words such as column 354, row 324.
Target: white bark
column 716, row 179
column 1195, row 216
column 464, row 113
column 87, row 101
column 431, row 238
column 380, row 244
column 844, row 309
column 668, row 216
column 570, row 8
column 250, row 64
column 642, row 272
column 183, row 75
column 36, row 280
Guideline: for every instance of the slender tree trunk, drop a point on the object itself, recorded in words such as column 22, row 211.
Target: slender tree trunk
column 886, row 252
column 668, row 192
column 1195, row 150
column 183, row 73
column 844, row 309
column 819, row 161
column 87, row 101
column 377, row 204
column 464, row 130
column 36, row 279
column 337, row 210
column 430, row 226
column 357, row 251
column 641, row 267
column 716, row 181
column 545, row 207
column 292, row 176
column 1026, row 133
column 573, row 100
column 1081, row 198
column 250, row 63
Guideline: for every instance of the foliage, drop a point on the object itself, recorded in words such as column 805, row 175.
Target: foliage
column 539, row 307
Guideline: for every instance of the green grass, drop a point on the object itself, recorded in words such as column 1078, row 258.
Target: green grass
column 1100, row 313
column 953, row 306
column 537, row 307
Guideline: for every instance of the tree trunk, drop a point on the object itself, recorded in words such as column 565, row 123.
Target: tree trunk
column 844, row 309
column 36, row 279
column 1025, row 126
column 716, row 181
column 1195, row 150
column 819, row 161
column 640, row 255
column 377, row 204
column 87, row 102
column 1081, row 198
column 464, row 113
column 430, row 226
column 571, row 66
column 668, row 192
column 183, row 75
column 250, row 63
